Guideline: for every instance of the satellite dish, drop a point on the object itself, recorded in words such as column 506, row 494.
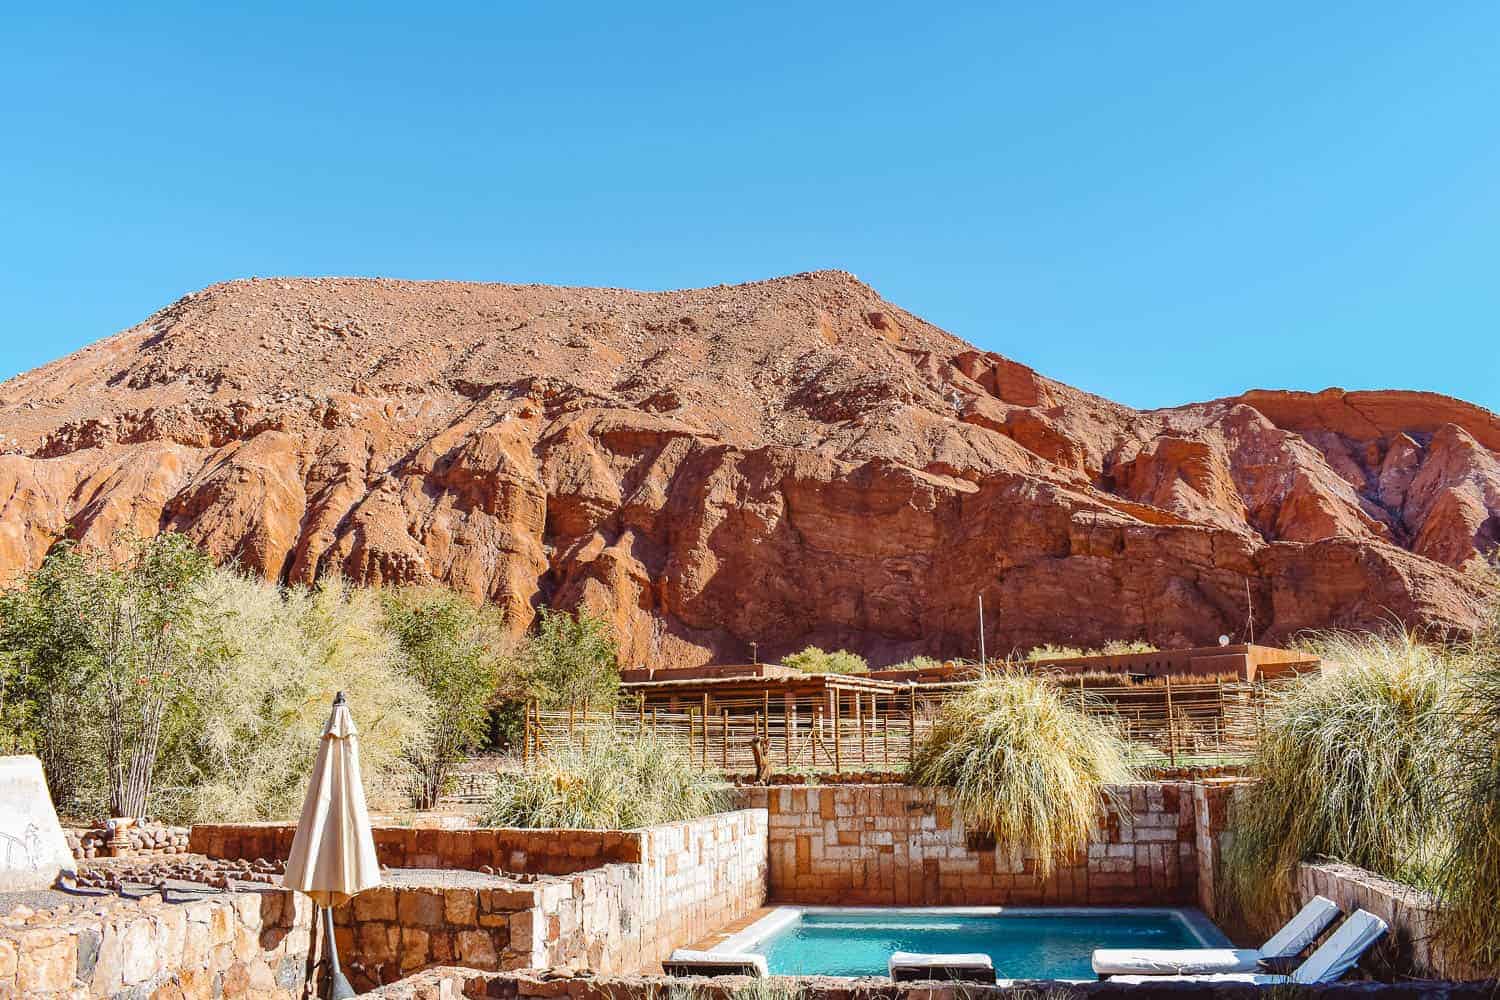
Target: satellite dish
column 1223, row 640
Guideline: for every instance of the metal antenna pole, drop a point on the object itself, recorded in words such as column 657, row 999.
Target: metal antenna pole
column 1249, row 614
column 982, row 660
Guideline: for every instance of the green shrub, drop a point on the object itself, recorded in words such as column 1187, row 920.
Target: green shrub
column 917, row 663
column 250, row 741
column 617, row 779
column 1024, row 763
column 104, row 654
column 456, row 650
column 569, row 660
column 1348, row 766
column 1114, row 647
column 813, row 660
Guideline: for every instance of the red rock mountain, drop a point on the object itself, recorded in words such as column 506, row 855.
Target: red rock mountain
column 786, row 462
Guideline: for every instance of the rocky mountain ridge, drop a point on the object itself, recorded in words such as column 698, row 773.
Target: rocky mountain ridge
column 783, row 462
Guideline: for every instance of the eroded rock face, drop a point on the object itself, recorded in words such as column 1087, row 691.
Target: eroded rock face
column 784, row 462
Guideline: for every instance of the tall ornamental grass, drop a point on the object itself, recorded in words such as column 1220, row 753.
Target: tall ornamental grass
column 1026, row 763
column 620, row 779
column 1349, row 766
column 1469, row 878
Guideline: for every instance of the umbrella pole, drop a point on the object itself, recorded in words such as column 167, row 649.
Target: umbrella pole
column 339, row 988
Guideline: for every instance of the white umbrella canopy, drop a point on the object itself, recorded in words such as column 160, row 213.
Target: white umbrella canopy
column 333, row 851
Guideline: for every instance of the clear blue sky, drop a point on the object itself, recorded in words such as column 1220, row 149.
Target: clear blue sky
column 1157, row 202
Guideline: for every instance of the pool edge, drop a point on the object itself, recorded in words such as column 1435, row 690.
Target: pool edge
column 1208, row 933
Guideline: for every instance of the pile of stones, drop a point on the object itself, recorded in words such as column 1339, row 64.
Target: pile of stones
column 152, row 838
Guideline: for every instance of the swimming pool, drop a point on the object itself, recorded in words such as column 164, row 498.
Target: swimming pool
column 1023, row 942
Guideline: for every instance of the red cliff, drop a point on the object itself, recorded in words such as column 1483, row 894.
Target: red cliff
column 785, row 462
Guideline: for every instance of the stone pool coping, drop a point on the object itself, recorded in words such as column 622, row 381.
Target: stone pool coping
column 754, row 936
column 457, row 984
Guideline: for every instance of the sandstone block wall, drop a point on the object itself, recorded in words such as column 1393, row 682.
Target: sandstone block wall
column 1211, row 835
column 609, row 901
column 456, row 984
column 237, row 945
column 900, row 845
column 542, row 852
column 1410, row 947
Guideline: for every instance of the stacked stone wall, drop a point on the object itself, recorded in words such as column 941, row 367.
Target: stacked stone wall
column 541, row 852
column 906, row 846
column 236, row 945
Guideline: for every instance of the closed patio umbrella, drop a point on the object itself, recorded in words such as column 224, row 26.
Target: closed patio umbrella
column 333, row 851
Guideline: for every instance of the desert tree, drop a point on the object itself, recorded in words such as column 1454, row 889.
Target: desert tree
column 457, row 651
column 570, row 660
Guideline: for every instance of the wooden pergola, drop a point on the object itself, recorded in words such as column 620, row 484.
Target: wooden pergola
column 777, row 702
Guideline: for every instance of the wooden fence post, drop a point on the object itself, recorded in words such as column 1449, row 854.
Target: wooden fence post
column 1171, row 726
column 789, row 728
column 838, row 745
column 724, row 734
column 859, row 723
column 911, row 729
column 536, row 727
column 885, row 731
column 705, row 730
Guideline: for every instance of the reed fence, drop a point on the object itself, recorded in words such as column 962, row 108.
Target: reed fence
column 1176, row 722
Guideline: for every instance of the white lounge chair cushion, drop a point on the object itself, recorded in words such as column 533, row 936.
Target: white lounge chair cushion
column 1292, row 939
column 1255, row 978
column 1338, row 954
column 918, row 960
column 1302, row 930
column 709, row 961
column 1328, row 964
column 1174, row 961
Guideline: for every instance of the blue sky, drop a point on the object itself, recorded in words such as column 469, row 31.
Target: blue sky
column 1156, row 202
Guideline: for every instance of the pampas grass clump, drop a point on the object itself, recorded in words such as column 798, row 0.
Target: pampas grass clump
column 1025, row 763
column 1468, row 881
column 1349, row 766
column 617, row 780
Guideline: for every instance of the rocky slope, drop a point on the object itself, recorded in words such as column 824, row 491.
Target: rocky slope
column 783, row 462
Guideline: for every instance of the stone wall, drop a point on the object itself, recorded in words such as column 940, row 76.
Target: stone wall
column 153, row 840
column 458, row 984
column 542, row 852
column 604, row 900
column 693, row 877
column 237, row 945
column 685, row 880
column 1410, row 947
column 1211, row 836
column 906, row 846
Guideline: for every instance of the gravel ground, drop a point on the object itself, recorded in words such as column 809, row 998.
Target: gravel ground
column 436, row 878
column 38, row 899
column 444, row 878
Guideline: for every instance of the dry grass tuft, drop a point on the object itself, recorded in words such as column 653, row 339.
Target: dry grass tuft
column 1025, row 764
column 619, row 780
column 1348, row 764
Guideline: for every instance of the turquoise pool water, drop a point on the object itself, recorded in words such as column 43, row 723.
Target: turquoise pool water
column 1023, row 944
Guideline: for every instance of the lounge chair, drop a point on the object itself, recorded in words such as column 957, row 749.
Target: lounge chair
column 1328, row 964
column 912, row 967
column 1292, row 940
column 686, row 962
